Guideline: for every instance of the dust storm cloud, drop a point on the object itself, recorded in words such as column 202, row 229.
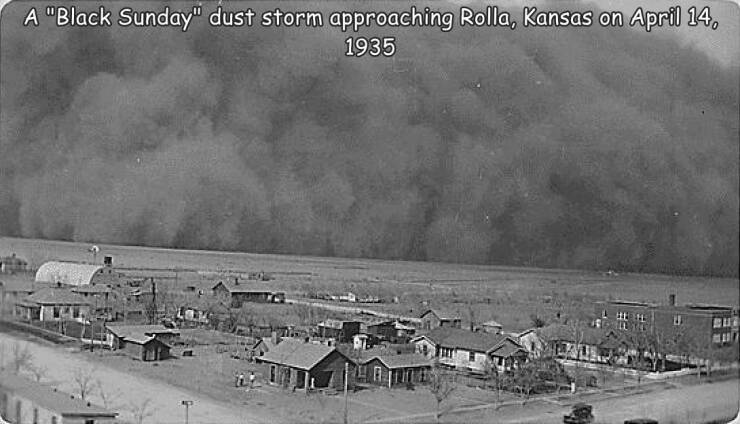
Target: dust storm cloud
column 583, row 148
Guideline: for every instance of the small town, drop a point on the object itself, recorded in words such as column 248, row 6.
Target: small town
column 256, row 337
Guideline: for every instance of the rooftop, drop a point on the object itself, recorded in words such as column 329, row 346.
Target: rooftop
column 56, row 296
column 460, row 338
column 51, row 399
column 446, row 316
column 242, row 287
column 298, row 354
column 401, row 361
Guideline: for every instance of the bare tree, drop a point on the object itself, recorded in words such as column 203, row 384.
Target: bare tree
column 493, row 376
column 107, row 397
column 38, row 371
column 441, row 386
column 142, row 410
column 22, row 358
column 84, row 380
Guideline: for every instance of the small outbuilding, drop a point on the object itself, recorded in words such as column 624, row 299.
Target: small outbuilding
column 76, row 274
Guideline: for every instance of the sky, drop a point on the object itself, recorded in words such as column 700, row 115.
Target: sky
column 552, row 147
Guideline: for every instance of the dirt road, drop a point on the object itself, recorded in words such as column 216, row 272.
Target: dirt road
column 129, row 392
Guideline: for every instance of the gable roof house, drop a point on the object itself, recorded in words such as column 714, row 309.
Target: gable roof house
column 433, row 318
column 466, row 350
column 584, row 344
column 53, row 304
column 26, row 401
column 304, row 365
column 392, row 370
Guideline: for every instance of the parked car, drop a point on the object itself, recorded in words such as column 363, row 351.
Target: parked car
column 581, row 414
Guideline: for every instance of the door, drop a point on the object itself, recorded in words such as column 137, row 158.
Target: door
column 409, row 375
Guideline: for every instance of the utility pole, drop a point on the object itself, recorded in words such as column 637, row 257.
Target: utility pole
column 187, row 404
column 346, row 400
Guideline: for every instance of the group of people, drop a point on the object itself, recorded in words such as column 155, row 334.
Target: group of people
column 240, row 379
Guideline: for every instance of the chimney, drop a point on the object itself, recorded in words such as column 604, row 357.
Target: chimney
column 671, row 300
column 275, row 338
column 108, row 261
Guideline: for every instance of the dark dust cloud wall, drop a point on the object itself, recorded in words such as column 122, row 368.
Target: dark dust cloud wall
column 583, row 148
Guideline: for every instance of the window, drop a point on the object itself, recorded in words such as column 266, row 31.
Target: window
column 425, row 349
column 622, row 316
column 583, row 350
column 56, row 312
column 725, row 337
column 377, row 374
column 622, row 325
column 726, row 322
column 717, row 323
column 362, row 371
column 640, row 317
column 603, row 313
column 471, row 357
column 716, row 338
column 446, row 352
column 677, row 320
column 641, row 327
column 76, row 312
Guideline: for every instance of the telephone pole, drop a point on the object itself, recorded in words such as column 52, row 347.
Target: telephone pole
column 346, row 400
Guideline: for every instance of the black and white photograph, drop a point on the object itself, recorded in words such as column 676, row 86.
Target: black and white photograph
column 369, row 212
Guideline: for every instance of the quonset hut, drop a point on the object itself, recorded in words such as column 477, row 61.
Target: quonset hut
column 75, row 274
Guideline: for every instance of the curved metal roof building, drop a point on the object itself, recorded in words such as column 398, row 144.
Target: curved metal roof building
column 71, row 273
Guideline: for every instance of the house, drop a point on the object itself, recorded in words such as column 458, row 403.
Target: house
column 531, row 342
column 77, row 274
column 579, row 343
column 490, row 327
column 53, row 304
column 13, row 290
column 236, row 293
column 432, row 319
column 342, row 331
column 144, row 342
column 99, row 297
column 12, row 264
column 393, row 370
column 23, row 401
column 303, row 365
column 349, row 297
column 392, row 331
column 474, row 352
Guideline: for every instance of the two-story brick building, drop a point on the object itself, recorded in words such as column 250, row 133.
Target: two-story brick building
column 700, row 325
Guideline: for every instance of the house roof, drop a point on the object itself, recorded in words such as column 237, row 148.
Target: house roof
column 51, row 399
column 92, row 288
column 56, row 296
column 447, row 316
column 22, row 286
column 241, row 287
column 140, row 334
column 464, row 339
column 492, row 323
column 410, row 360
column 298, row 354
column 590, row 335
column 508, row 349
column 72, row 273
column 334, row 323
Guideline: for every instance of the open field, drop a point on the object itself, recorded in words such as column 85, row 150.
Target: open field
column 508, row 295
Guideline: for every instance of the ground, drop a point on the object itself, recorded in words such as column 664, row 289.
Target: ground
column 209, row 383
column 508, row 295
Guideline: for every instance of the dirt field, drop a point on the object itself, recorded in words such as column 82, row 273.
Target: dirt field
column 507, row 295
